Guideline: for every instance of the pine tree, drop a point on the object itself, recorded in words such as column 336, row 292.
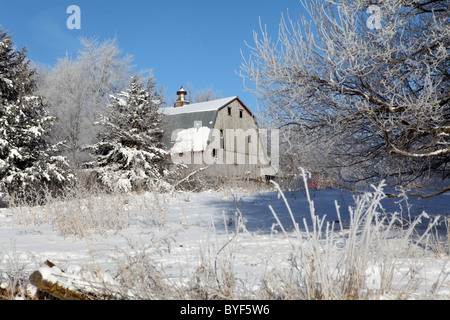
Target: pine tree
column 28, row 163
column 131, row 155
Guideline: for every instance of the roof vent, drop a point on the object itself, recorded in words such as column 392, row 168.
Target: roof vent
column 181, row 101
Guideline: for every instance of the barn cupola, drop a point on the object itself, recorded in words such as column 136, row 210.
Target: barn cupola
column 181, row 100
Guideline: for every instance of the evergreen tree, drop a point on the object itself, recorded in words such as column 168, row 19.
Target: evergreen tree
column 28, row 163
column 131, row 155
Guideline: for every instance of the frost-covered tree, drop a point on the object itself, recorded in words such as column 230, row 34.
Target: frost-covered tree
column 77, row 89
column 368, row 81
column 206, row 94
column 131, row 155
column 28, row 163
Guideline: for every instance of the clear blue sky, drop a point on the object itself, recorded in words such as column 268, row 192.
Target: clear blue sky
column 196, row 42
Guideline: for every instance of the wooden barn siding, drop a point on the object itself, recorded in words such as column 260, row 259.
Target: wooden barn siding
column 224, row 122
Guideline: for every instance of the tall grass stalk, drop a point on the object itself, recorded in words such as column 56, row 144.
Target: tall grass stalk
column 359, row 261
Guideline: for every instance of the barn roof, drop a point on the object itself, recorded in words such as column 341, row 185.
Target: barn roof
column 213, row 105
column 201, row 114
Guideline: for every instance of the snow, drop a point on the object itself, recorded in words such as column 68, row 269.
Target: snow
column 195, row 224
column 36, row 131
column 74, row 279
column 8, row 82
column 3, row 142
column 122, row 102
column 14, row 153
column 30, row 98
column 191, row 140
column 199, row 107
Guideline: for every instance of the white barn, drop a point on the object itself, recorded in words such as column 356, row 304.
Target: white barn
column 221, row 134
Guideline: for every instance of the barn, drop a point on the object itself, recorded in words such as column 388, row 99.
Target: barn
column 221, row 135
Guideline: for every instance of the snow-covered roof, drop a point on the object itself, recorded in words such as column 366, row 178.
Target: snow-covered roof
column 212, row 105
column 182, row 90
column 191, row 140
column 203, row 114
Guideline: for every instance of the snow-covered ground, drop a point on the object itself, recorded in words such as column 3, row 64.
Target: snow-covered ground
column 200, row 229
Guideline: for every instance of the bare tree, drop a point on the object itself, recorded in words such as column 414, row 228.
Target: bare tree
column 369, row 80
column 78, row 90
column 203, row 95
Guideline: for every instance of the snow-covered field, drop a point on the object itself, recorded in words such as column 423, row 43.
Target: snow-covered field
column 221, row 244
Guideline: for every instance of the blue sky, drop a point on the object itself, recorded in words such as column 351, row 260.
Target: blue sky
column 196, row 42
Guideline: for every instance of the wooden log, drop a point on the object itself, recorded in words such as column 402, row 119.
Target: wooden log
column 56, row 290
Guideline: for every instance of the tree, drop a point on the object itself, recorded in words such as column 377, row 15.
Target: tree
column 131, row 155
column 203, row 95
column 78, row 89
column 28, row 163
column 376, row 95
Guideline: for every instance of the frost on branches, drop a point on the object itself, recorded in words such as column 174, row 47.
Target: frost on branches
column 77, row 90
column 28, row 163
column 376, row 99
column 131, row 156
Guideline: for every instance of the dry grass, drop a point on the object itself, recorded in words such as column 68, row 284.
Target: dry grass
column 374, row 255
column 85, row 214
column 364, row 260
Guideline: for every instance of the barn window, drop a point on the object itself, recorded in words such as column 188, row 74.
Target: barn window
column 221, row 139
column 241, row 113
column 229, row 111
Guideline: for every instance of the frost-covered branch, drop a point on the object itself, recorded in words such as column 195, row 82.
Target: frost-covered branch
column 376, row 100
column 78, row 89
